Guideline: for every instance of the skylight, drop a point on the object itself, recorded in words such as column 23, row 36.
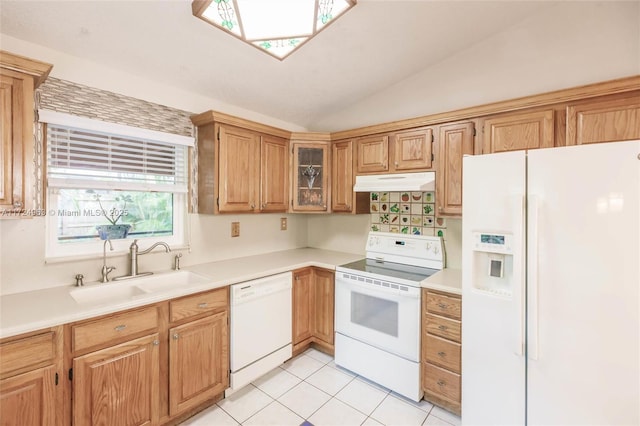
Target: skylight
column 277, row 27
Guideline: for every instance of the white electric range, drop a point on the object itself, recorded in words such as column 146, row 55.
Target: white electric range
column 377, row 309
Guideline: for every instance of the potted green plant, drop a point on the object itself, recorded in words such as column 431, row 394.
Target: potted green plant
column 114, row 230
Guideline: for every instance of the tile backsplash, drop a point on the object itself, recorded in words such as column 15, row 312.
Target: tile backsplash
column 406, row 213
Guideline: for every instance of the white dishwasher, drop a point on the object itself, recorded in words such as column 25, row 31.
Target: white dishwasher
column 261, row 328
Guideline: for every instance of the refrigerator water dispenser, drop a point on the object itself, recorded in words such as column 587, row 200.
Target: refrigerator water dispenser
column 493, row 263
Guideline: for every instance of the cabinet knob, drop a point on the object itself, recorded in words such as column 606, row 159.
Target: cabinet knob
column 439, row 207
column 324, row 206
column 253, row 206
column 175, row 336
column 441, row 383
column 442, row 354
column 396, row 164
column 297, row 278
column 348, row 206
column 264, row 206
column 156, row 342
column 17, row 204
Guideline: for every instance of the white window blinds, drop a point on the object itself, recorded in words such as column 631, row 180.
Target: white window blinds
column 78, row 157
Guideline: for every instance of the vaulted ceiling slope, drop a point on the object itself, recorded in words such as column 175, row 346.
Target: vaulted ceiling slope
column 373, row 47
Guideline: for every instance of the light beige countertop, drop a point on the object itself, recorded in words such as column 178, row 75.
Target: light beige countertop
column 35, row 310
column 448, row 280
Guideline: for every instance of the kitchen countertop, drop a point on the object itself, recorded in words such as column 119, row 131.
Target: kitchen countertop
column 35, row 310
column 448, row 280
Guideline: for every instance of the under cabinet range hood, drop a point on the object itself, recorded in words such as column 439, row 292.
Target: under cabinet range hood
column 424, row 181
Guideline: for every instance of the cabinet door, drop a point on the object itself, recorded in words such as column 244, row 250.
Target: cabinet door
column 519, row 131
column 323, row 303
column 342, row 177
column 412, row 150
column 118, row 385
column 372, row 154
column 302, row 307
column 455, row 140
column 311, row 176
column 274, row 170
column 603, row 121
column 198, row 362
column 238, row 169
column 16, row 152
column 29, row 398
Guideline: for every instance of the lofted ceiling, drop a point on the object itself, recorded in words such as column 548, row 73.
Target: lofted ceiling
column 374, row 45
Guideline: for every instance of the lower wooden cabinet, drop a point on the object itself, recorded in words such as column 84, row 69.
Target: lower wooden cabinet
column 198, row 362
column 119, row 382
column 441, row 349
column 313, row 309
column 30, row 379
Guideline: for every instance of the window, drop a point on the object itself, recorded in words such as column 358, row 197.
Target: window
column 100, row 173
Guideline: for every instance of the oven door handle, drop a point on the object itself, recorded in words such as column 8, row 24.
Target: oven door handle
column 413, row 292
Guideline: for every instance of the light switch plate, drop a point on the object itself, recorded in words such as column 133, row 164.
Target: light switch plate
column 235, row 229
column 283, row 223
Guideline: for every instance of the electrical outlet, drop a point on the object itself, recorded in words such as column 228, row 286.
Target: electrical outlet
column 235, row 229
column 283, row 223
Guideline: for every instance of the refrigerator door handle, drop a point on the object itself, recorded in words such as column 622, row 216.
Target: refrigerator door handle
column 532, row 276
column 518, row 213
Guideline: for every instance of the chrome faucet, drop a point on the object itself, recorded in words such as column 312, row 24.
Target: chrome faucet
column 133, row 259
column 106, row 269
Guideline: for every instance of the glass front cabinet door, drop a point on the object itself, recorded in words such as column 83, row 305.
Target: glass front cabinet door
column 311, row 177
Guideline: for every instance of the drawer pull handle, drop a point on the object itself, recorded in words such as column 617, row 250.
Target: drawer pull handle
column 120, row 327
column 175, row 336
column 442, row 354
column 202, row 305
column 156, row 342
column 442, row 306
column 442, row 327
column 441, row 383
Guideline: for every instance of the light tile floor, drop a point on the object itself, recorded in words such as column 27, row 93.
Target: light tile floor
column 312, row 388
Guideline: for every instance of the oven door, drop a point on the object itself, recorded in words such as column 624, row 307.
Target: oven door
column 380, row 313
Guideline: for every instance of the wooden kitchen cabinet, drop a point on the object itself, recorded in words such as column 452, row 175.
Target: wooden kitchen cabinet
column 119, row 382
column 454, row 141
column 510, row 132
column 404, row 151
column 311, row 173
column 313, row 309
column 30, row 375
column 198, row 362
column 302, row 311
column 243, row 166
column 19, row 77
column 441, row 349
column 343, row 198
column 608, row 119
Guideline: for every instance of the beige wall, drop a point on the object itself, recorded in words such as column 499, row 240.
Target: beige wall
column 22, row 248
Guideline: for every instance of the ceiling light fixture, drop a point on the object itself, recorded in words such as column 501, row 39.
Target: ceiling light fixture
column 277, row 27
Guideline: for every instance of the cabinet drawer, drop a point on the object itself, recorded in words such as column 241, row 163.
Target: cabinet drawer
column 443, row 327
column 441, row 304
column 442, row 352
column 111, row 329
column 26, row 354
column 198, row 304
column 441, row 382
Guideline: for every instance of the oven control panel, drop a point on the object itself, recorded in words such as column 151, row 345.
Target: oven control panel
column 418, row 250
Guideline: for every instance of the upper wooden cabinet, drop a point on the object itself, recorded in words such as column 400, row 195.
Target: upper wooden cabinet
column 454, row 141
column 398, row 152
column 343, row 199
column 311, row 173
column 19, row 77
column 243, row 167
column 412, row 150
column 603, row 120
column 510, row 132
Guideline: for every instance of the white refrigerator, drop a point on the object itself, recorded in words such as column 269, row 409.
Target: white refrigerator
column 550, row 286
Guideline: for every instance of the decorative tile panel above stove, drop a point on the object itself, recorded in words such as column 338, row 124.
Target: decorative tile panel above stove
column 406, row 213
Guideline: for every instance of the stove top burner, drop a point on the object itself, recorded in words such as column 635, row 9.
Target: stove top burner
column 391, row 270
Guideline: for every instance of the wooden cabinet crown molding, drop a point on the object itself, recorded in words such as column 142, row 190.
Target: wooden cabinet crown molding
column 211, row 116
column 38, row 70
column 620, row 85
